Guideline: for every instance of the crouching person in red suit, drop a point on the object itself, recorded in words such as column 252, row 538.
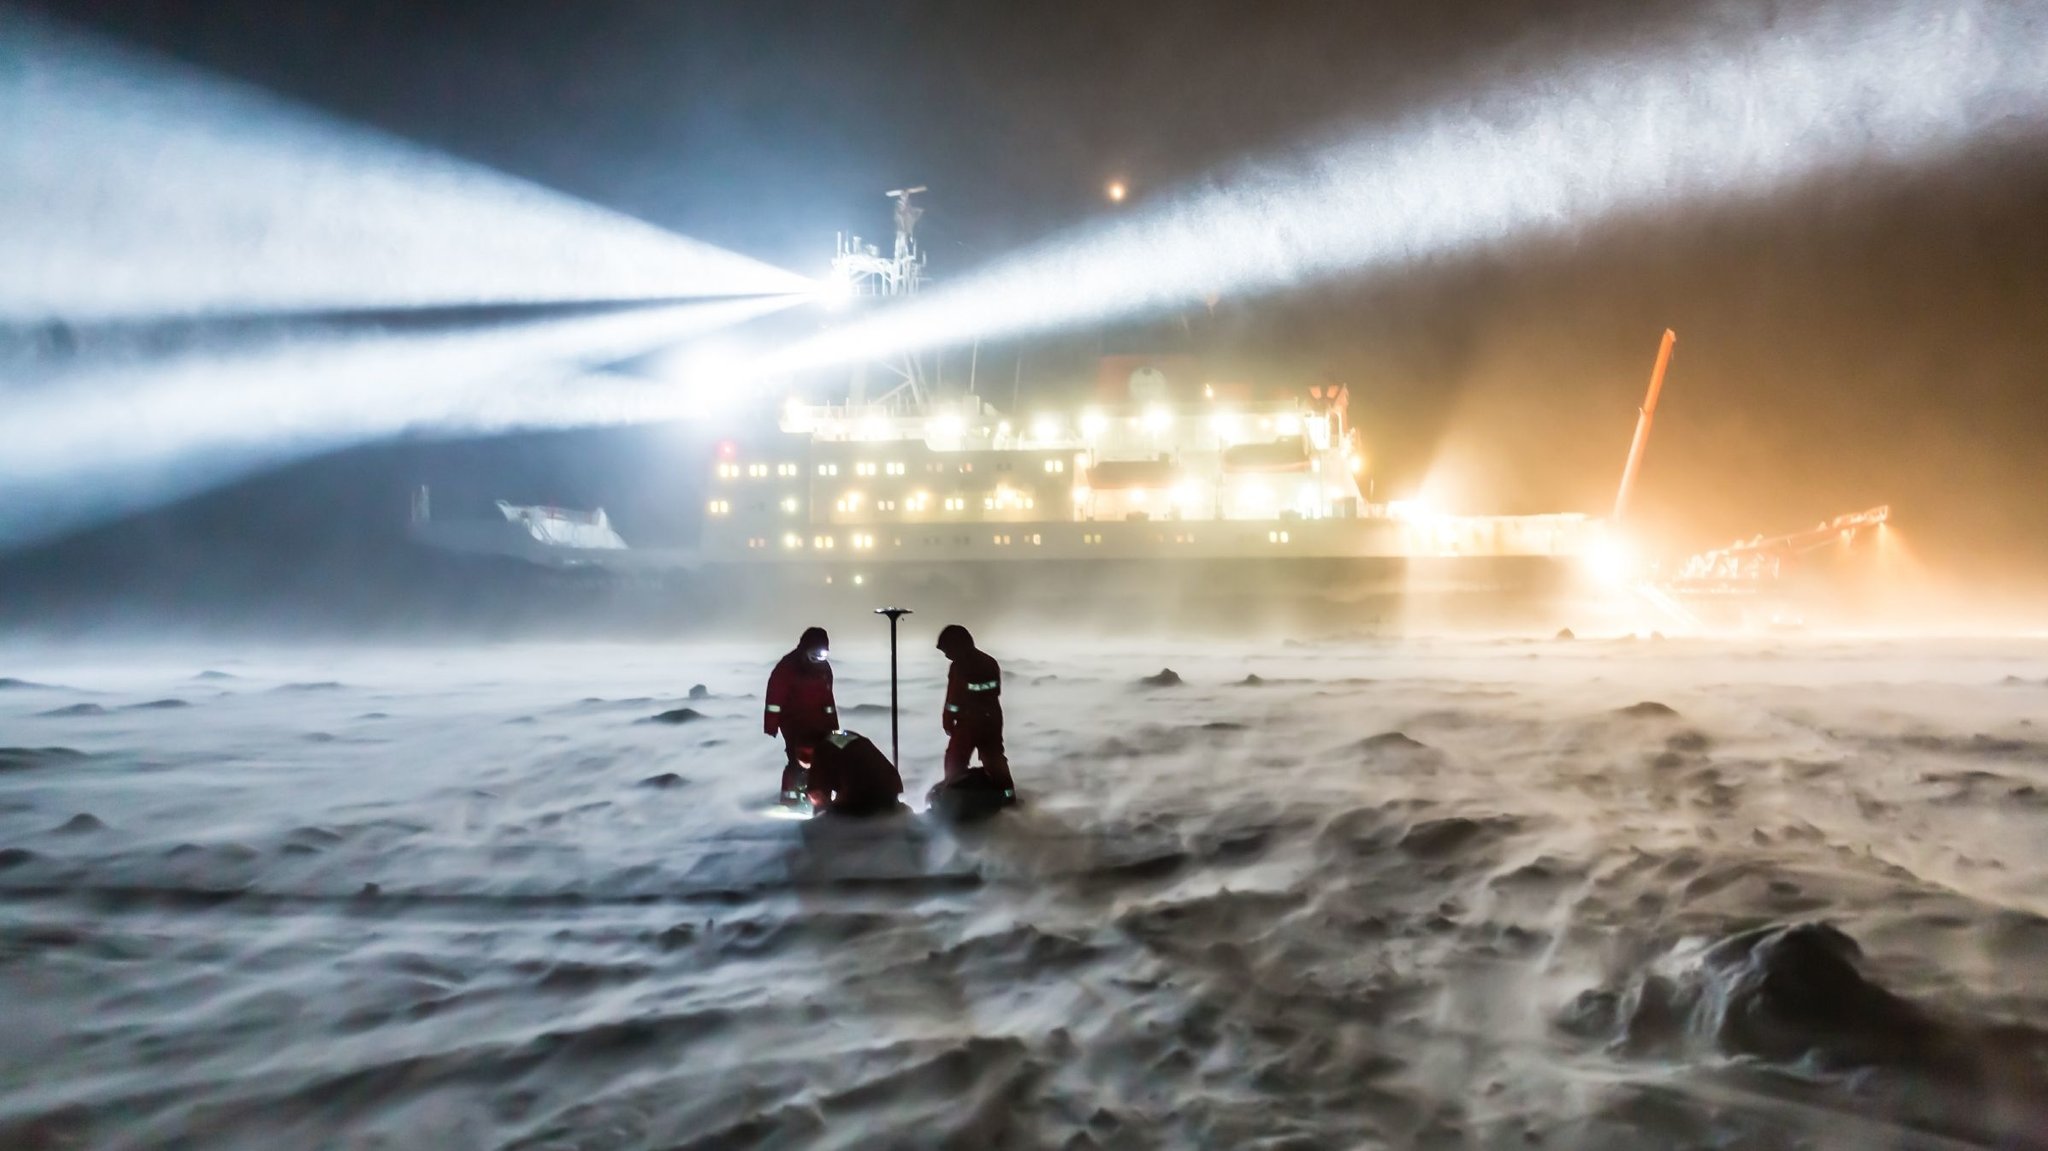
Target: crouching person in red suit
column 851, row 776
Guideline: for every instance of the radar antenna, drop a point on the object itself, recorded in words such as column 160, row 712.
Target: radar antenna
column 906, row 220
column 860, row 270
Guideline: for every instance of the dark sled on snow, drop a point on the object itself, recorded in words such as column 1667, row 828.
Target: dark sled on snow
column 970, row 799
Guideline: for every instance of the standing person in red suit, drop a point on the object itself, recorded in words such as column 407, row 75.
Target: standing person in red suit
column 974, row 711
column 801, row 708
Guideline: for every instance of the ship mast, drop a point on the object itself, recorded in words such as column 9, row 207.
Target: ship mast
column 861, row 270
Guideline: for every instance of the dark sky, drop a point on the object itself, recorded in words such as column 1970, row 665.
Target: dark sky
column 767, row 125
column 1867, row 337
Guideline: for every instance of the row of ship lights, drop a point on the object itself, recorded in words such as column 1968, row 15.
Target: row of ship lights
column 865, row 541
column 1048, row 430
column 1045, row 430
column 1252, row 497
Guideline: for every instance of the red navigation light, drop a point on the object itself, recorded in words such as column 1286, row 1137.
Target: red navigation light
column 727, row 449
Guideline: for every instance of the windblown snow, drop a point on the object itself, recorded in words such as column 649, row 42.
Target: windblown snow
column 1422, row 893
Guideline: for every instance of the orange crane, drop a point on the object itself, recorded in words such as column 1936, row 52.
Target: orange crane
column 1743, row 567
column 1644, row 415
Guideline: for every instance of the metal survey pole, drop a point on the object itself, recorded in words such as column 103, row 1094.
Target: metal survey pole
column 895, row 730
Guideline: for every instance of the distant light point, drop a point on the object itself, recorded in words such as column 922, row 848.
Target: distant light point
column 1116, row 191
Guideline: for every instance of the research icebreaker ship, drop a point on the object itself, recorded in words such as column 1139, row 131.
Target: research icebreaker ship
column 1157, row 501
column 1165, row 498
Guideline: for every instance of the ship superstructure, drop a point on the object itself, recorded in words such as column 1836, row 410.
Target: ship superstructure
column 1163, row 485
column 1159, row 475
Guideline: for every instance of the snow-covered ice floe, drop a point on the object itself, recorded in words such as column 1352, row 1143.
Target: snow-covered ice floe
column 1421, row 893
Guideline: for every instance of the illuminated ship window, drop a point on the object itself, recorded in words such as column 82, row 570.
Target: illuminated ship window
column 862, row 541
column 1003, row 540
column 1030, row 502
column 828, row 469
column 956, row 504
column 966, row 467
column 896, row 468
column 1091, row 538
column 1035, row 540
column 789, row 504
column 1055, row 466
column 728, row 471
column 825, row 542
column 864, row 469
column 885, row 505
column 757, row 470
column 792, row 540
column 1276, row 537
column 785, row 469
column 719, row 507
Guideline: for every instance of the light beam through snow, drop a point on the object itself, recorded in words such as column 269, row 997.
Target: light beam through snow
column 198, row 279
column 1738, row 110
column 132, row 187
column 102, row 441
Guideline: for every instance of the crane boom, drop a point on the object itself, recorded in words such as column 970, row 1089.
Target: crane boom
column 1748, row 564
column 1644, row 415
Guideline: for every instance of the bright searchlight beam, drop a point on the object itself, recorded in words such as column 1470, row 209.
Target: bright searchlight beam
column 134, row 188
column 1738, row 110
column 198, row 280
column 111, row 437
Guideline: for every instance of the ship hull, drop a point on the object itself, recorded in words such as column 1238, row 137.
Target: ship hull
column 1182, row 595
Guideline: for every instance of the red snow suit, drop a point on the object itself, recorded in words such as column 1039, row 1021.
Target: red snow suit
column 800, row 707
column 974, row 708
column 850, row 774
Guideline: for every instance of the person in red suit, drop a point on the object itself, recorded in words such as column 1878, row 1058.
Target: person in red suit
column 800, row 707
column 974, row 711
column 851, row 776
